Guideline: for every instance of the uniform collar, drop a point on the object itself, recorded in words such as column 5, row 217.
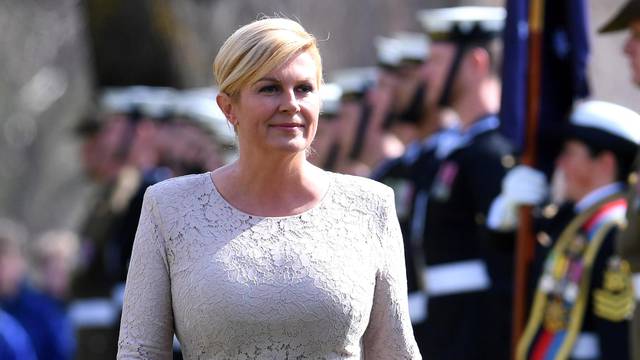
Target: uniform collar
column 456, row 138
column 596, row 195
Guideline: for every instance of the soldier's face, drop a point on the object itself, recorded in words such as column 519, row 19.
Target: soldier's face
column 632, row 50
column 577, row 166
column 437, row 69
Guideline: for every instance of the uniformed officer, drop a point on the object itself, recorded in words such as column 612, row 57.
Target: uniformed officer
column 628, row 243
column 325, row 147
column 468, row 269
column 354, row 121
column 584, row 298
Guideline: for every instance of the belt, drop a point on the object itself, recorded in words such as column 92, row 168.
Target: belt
column 456, row 278
column 636, row 285
column 586, row 347
column 98, row 312
column 417, row 307
column 94, row 312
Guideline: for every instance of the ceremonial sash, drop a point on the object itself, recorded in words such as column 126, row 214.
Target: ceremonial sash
column 562, row 295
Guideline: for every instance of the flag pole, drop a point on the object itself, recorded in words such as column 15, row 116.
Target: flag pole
column 525, row 237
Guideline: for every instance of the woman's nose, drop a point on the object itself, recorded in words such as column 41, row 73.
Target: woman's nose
column 289, row 102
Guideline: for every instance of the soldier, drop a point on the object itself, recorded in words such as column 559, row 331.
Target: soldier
column 468, row 269
column 410, row 174
column 584, row 297
column 325, row 147
column 355, row 120
column 628, row 243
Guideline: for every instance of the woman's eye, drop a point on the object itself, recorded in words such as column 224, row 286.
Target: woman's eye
column 269, row 89
column 305, row 88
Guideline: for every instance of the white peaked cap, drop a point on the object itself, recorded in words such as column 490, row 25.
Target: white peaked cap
column 609, row 118
column 199, row 105
column 388, row 51
column 154, row 102
column 443, row 20
column 413, row 46
column 330, row 95
column 355, row 80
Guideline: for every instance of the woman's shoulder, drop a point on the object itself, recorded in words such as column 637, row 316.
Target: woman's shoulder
column 362, row 187
column 181, row 186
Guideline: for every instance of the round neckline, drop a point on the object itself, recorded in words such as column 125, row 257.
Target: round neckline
column 319, row 204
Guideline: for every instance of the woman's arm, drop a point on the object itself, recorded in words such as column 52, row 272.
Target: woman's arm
column 146, row 327
column 389, row 334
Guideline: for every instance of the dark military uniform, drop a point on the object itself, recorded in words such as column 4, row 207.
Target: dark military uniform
column 410, row 177
column 584, row 295
column 97, row 324
column 468, row 276
column 628, row 245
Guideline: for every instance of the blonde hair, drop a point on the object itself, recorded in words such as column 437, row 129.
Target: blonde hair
column 259, row 47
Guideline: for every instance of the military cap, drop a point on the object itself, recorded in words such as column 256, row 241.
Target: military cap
column 620, row 21
column 152, row 102
column 354, row 82
column 413, row 47
column 388, row 52
column 606, row 126
column 199, row 107
column 330, row 95
column 463, row 23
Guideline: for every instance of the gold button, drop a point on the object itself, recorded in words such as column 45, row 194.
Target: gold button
column 508, row 161
column 544, row 239
column 550, row 211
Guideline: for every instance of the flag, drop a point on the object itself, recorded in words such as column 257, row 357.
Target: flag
column 563, row 56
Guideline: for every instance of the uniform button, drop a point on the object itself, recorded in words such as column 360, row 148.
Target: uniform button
column 550, row 211
column 508, row 161
column 544, row 239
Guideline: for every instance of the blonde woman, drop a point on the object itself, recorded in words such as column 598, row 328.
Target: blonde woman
column 268, row 257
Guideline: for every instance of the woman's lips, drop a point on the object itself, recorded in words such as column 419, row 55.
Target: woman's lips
column 288, row 125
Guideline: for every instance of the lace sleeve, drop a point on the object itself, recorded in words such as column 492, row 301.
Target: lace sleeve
column 146, row 327
column 389, row 334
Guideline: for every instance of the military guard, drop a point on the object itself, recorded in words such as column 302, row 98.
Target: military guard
column 410, row 175
column 628, row 243
column 468, row 268
column 584, row 298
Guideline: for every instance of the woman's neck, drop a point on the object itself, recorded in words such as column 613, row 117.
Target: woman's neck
column 267, row 187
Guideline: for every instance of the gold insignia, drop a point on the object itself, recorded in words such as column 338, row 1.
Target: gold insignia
column 615, row 301
column 577, row 246
column 555, row 317
column 633, row 178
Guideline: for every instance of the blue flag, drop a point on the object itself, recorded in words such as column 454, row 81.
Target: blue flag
column 564, row 56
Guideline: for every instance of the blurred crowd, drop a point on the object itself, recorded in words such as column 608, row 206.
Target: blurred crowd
column 423, row 121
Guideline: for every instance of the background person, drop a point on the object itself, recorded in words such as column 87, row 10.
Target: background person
column 628, row 243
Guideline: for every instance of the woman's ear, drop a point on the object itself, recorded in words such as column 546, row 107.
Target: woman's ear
column 226, row 105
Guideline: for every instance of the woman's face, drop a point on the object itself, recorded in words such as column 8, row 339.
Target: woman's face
column 279, row 112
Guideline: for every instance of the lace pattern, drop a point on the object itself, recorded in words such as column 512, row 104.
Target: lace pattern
column 326, row 284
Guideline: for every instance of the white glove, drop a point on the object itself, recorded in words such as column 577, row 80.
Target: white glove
column 521, row 186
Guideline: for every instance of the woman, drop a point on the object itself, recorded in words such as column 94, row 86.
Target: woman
column 269, row 257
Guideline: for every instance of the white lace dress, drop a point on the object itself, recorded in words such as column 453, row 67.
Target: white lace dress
column 326, row 284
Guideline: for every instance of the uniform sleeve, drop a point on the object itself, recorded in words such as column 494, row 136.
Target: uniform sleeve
column 146, row 327
column 612, row 301
column 389, row 335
